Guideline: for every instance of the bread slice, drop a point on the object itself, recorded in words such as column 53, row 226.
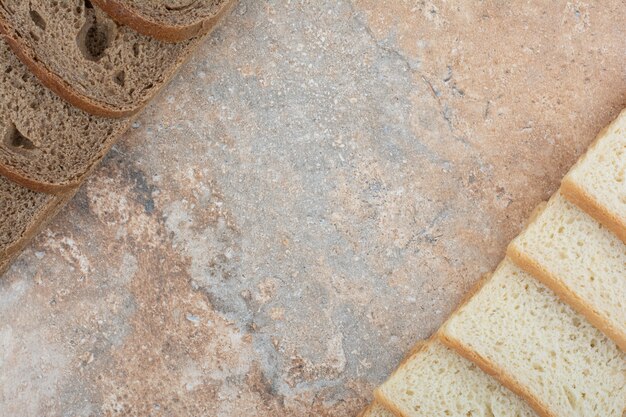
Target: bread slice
column 23, row 212
column 81, row 54
column 580, row 260
column 166, row 20
column 597, row 183
column 519, row 331
column 47, row 145
column 435, row 381
column 376, row 410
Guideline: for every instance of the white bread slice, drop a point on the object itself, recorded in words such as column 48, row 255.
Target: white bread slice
column 518, row 330
column 376, row 410
column 597, row 183
column 435, row 381
column 580, row 260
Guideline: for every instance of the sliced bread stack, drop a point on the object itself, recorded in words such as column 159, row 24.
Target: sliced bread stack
column 71, row 80
column 549, row 324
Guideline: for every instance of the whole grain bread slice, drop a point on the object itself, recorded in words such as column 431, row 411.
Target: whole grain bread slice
column 85, row 57
column 519, row 331
column 24, row 212
column 436, row 381
column 166, row 20
column 580, row 260
column 46, row 144
column 597, row 182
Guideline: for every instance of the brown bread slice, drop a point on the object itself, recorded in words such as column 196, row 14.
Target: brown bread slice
column 166, row 20
column 47, row 145
column 81, row 54
column 23, row 212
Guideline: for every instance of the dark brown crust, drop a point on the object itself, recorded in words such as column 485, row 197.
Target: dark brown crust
column 569, row 297
column 60, row 188
column 143, row 24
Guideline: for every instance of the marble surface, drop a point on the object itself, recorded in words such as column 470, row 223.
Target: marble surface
column 314, row 193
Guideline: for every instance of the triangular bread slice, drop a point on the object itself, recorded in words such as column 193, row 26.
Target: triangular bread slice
column 580, row 260
column 46, row 144
column 23, row 213
column 85, row 57
column 375, row 409
column 519, row 331
column 597, row 183
column 436, row 381
column 166, row 20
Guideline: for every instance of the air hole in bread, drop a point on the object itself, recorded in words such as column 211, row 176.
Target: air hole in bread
column 120, row 78
column 94, row 38
column 15, row 139
column 38, row 20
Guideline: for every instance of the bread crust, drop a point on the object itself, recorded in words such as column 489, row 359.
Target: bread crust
column 64, row 187
column 378, row 394
column 55, row 83
column 491, row 369
column 580, row 197
column 569, row 297
column 126, row 15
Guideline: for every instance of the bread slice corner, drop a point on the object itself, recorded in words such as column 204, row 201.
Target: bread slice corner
column 597, row 182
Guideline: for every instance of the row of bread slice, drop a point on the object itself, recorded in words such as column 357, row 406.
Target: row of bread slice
column 98, row 65
column 554, row 338
column 47, row 146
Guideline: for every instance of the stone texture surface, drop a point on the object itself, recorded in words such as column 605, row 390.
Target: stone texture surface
column 315, row 191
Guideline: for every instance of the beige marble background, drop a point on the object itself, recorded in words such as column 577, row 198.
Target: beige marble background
column 315, row 191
